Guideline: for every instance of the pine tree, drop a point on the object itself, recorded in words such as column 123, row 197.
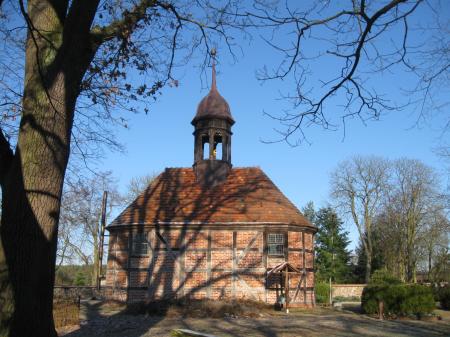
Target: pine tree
column 309, row 212
column 332, row 256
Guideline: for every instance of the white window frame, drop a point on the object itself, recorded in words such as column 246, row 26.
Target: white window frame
column 276, row 244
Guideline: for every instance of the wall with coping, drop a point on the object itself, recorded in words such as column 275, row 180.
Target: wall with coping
column 347, row 290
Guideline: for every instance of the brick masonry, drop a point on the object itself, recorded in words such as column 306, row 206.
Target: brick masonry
column 348, row 290
column 208, row 263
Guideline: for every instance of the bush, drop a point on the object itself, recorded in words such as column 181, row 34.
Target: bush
column 398, row 299
column 322, row 291
column 443, row 295
column 382, row 276
column 346, row 299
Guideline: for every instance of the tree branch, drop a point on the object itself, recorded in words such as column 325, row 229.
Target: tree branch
column 124, row 27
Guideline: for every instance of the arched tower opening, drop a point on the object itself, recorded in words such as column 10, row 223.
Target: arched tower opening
column 212, row 135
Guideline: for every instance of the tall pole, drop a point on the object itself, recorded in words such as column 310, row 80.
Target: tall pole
column 102, row 238
column 286, row 288
column 332, row 266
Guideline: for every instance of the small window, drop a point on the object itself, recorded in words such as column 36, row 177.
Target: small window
column 275, row 244
column 139, row 244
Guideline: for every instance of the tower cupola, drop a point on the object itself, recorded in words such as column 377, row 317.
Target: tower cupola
column 212, row 135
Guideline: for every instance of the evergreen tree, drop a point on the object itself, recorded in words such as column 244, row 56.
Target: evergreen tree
column 332, row 256
column 309, row 212
column 377, row 259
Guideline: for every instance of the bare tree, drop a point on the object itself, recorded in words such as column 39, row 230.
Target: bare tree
column 434, row 243
column 76, row 58
column 81, row 209
column 414, row 192
column 363, row 41
column 136, row 186
column 410, row 221
column 358, row 186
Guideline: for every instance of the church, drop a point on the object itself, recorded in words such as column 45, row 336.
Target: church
column 211, row 231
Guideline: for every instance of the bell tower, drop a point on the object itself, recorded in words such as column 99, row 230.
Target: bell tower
column 212, row 136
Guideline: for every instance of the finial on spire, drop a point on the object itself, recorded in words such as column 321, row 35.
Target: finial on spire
column 213, row 55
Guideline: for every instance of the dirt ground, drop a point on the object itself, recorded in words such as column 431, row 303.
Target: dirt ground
column 98, row 320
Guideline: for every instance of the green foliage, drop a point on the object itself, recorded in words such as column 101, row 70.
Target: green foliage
column 346, row 299
column 322, row 291
column 382, row 276
column 398, row 299
column 377, row 259
column 332, row 256
column 80, row 279
column 443, row 295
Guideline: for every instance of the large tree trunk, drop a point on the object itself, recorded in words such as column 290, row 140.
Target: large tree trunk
column 31, row 202
column 32, row 186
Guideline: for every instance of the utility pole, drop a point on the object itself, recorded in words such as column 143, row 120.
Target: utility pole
column 332, row 266
column 102, row 238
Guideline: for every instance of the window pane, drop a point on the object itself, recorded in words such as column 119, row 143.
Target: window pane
column 276, row 249
column 139, row 245
column 275, row 238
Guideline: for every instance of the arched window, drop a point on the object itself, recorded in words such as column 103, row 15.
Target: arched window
column 205, row 147
column 218, row 150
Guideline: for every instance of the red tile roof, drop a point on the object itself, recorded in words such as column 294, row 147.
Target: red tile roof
column 247, row 196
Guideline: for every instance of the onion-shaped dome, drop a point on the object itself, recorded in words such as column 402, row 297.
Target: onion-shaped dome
column 213, row 105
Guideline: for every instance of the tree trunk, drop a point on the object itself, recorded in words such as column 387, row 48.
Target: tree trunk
column 95, row 274
column 32, row 186
column 368, row 266
column 31, row 204
column 430, row 259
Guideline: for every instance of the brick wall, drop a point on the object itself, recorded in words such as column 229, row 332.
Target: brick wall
column 207, row 264
column 348, row 290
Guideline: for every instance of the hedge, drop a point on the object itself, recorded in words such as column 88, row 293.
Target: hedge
column 322, row 291
column 398, row 299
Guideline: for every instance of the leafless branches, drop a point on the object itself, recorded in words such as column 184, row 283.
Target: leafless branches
column 358, row 187
column 78, row 238
column 335, row 54
column 135, row 48
column 397, row 208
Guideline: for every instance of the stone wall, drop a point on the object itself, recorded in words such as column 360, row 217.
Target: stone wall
column 75, row 292
column 347, row 290
column 207, row 263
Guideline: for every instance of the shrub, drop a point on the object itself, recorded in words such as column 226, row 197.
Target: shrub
column 444, row 297
column 346, row 299
column 382, row 276
column 322, row 291
column 398, row 299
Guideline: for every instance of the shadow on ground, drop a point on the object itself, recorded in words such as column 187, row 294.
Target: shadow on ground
column 100, row 320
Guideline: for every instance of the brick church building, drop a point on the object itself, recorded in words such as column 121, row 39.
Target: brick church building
column 211, row 230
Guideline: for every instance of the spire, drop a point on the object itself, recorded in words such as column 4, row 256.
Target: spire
column 213, row 82
column 213, row 105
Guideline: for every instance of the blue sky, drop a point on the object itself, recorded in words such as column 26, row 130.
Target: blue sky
column 163, row 138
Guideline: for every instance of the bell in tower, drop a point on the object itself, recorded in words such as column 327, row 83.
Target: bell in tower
column 212, row 149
